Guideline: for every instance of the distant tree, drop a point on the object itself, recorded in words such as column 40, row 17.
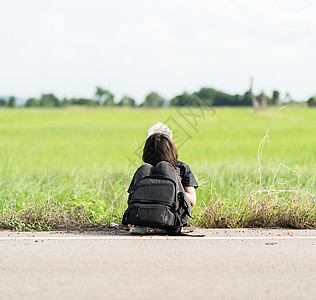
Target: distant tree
column 109, row 99
column 223, row 99
column 208, row 95
column 246, row 99
column 311, row 101
column 31, row 102
column 104, row 97
column 100, row 93
column 181, row 100
column 196, row 100
column 64, row 102
column 49, row 100
column 127, row 101
column 212, row 97
column 237, row 100
column 3, row 102
column 275, row 97
column 175, row 101
column 11, row 102
column 153, row 100
column 84, row 101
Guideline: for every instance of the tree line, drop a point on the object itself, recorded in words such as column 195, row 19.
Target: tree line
column 203, row 97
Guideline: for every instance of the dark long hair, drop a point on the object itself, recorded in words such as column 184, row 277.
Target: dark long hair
column 159, row 147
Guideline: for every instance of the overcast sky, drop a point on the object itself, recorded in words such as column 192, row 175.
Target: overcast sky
column 68, row 47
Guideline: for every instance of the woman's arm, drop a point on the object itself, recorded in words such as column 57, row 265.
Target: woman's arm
column 190, row 191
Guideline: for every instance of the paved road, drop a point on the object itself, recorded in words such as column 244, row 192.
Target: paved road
column 223, row 264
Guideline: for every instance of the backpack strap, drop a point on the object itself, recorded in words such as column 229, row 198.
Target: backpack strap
column 184, row 204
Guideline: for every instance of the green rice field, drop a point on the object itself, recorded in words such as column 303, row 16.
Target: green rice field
column 71, row 167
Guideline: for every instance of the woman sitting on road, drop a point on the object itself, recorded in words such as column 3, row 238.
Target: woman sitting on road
column 160, row 155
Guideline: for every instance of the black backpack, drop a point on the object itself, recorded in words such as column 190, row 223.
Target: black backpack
column 158, row 202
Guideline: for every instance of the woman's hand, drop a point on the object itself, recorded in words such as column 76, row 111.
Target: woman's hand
column 190, row 191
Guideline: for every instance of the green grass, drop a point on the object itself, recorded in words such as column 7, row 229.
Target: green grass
column 74, row 165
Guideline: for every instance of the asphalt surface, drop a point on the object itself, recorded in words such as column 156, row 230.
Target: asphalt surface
column 204, row 264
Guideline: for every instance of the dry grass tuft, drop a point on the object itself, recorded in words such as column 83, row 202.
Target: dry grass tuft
column 48, row 215
column 263, row 208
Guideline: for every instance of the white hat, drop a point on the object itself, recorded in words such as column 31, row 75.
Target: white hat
column 159, row 128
